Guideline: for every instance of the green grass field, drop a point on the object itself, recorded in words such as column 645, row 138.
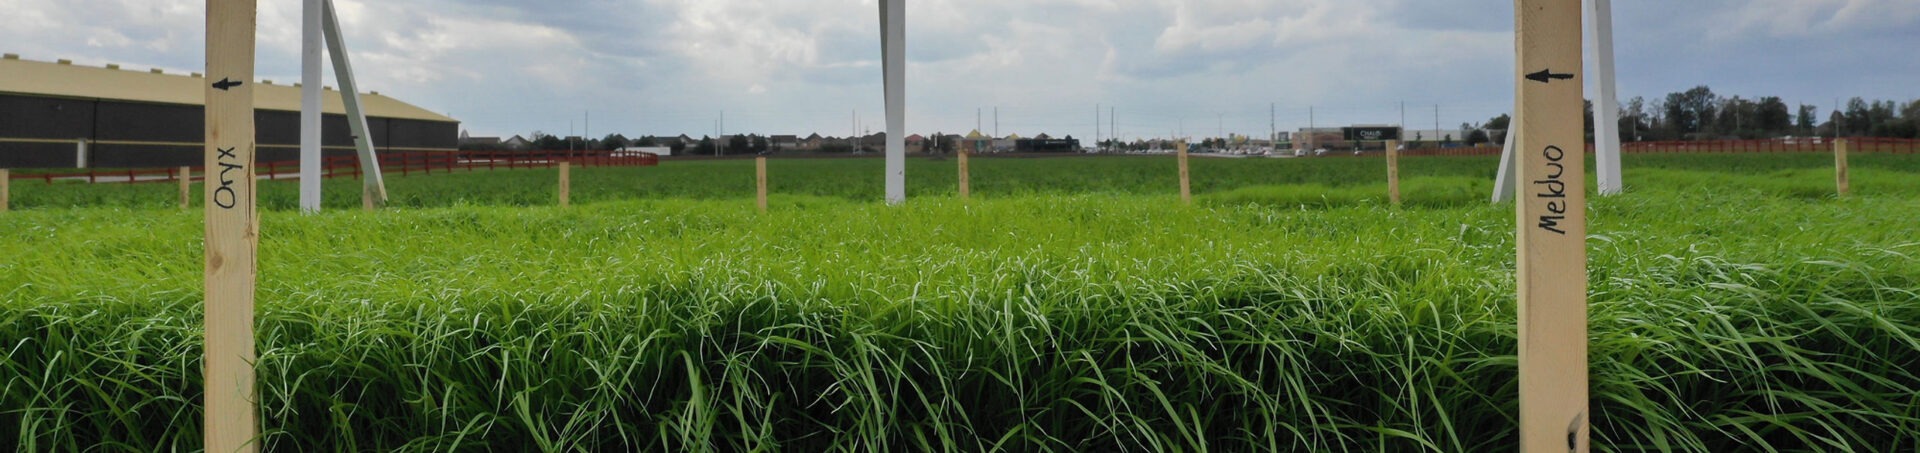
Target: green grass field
column 1736, row 305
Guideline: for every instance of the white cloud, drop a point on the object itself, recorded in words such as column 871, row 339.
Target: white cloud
column 670, row 66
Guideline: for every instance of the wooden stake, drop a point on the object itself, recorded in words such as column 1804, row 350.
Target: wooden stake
column 1186, row 189
column 231, row 231
column 566, row 183
column 366, row 198
column 1840, row 167
column 186, row 188
column 966, row 185
column 760, row 175
column 6, row 195
column 1551, row 269
column 1393, row 172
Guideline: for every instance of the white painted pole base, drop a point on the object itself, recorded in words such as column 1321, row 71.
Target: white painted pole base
column 1606, row 127
column 1509, row 169
column 310, row 83
column 893, row 43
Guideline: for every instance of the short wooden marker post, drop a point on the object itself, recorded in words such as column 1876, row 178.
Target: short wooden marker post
column 232, row 235
column 1551, row 270
column 1393, row 172
column 966, row 185
column 1186, row 188
column 366, row 198
column 6, row 194
column 566, row 183
column 1840, row 148
column 760, row 177
column 186, row 188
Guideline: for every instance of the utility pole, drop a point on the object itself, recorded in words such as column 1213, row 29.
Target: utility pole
column 1273, row 127
column 1096, row 125
column 1403, row 119
column 1113, row 127
column 996, row 122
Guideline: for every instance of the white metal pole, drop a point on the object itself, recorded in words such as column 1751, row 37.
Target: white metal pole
column 1509, row 169
column 1606, row 127
column 893, row 43
column 310, row 49
column 350, row 96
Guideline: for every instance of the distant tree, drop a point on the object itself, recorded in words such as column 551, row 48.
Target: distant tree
column 760, row 144
column 544, row 141
column 1807, row 119
column 1500, row 125
column 1476, row 137
column 1691, row 111
column 1912, row 114
column 739, row 144
column 677, row 147
column 705, row 147
column 647, row 142
column 1773, row 118
column 614, row 141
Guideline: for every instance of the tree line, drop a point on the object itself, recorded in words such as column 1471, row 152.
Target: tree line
column 1700, row 114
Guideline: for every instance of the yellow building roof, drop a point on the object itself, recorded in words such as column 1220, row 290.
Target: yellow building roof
column 73, row 81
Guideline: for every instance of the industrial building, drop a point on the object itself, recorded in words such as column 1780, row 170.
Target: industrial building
column 148, row 118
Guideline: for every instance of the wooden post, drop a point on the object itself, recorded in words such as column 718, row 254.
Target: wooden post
column 232, row 235
column 966, row 185
column 1393, row 172
column 366, row 198
column 760, row 175
column 186, row 188
column 1840, row 148
column 566, row 183
column 1186, row 189
column 6, row 195
column 1551, row 266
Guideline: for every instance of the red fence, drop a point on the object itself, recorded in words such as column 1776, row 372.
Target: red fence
column 404, row 163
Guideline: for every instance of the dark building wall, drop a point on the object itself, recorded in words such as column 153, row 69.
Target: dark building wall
column 42, row 118
column 277, row 132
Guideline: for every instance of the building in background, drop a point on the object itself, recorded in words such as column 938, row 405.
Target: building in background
column 153, row 119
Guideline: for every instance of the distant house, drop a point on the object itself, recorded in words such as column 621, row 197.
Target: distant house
column 812, row 142
column 976, row 142
column 784, row 142
column 875, row 142
column 468, row 141
column 916, row 143
column 516, row 143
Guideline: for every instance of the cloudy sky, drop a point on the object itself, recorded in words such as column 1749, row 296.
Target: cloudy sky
column 1196, row 67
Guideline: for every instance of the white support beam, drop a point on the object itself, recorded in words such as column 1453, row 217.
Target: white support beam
column 1503, row 180
column 311, row 81
column 350, row 95
column 1606, row 128
column 893, row 44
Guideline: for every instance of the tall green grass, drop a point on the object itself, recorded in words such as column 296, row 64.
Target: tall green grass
column 1725, row 317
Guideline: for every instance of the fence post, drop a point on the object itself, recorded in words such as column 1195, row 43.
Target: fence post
column 1393, row 172
column 966, row 184
column 1840, row 167
column 565, row 182
column 1186, row 192
column 760, row 176
column 186, row 188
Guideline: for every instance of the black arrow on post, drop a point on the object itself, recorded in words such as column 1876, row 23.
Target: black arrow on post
column 1548, row 76
column 224, row 84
